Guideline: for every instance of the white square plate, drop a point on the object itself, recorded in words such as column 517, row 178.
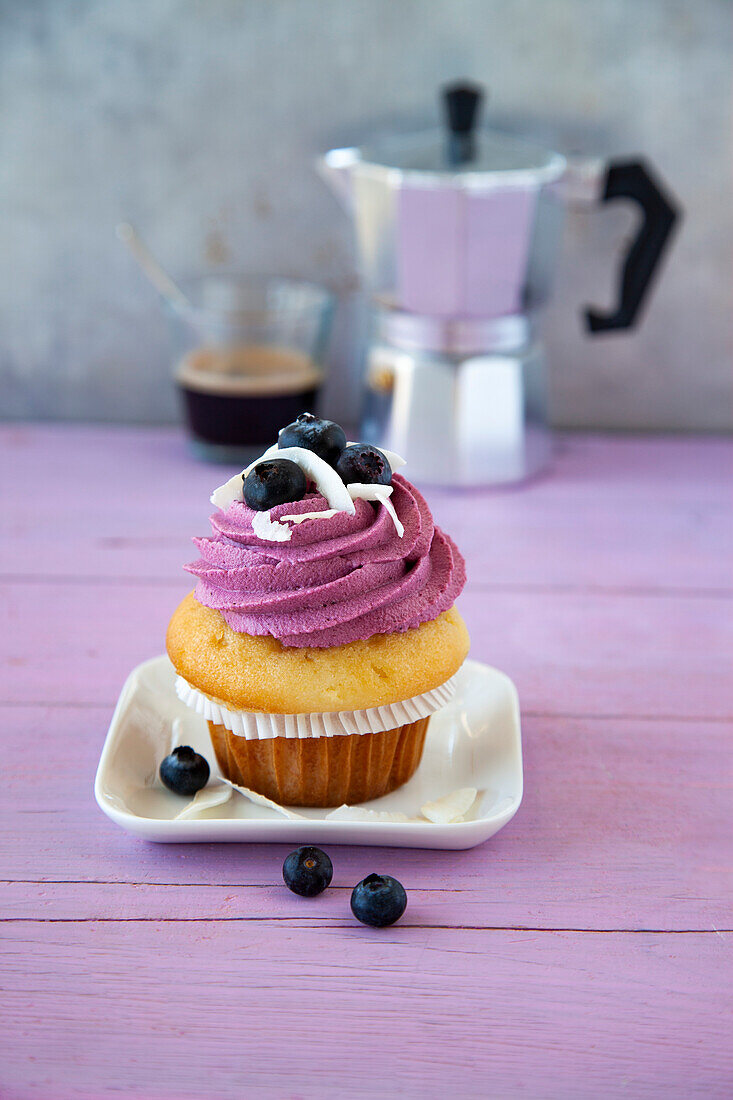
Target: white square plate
column 472, row 742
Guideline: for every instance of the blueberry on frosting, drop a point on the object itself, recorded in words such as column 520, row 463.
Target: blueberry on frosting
column 363, row 464
column 276, row 481
column 312, row 433
column 329, row 570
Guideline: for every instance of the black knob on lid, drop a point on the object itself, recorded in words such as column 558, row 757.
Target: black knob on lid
column 462, row 102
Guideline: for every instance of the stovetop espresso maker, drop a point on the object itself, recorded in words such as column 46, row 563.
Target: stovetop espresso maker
column 458, row 233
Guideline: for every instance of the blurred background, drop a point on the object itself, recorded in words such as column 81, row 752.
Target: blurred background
column 199, row 121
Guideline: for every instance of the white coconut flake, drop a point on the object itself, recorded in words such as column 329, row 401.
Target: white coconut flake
column 232, row 490
column 391, row 509
column 327, row 481
column 380, row 494
column 227, row 493
column 340, row 497
column 270, row 530
column 205, row 799
column 260, row 800
column 328, row 514
column 360, row 813
column 451, row 807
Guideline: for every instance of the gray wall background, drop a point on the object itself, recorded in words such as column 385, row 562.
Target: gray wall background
column 198, row 121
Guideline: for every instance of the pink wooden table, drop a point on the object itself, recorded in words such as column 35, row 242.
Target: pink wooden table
column 585, row 951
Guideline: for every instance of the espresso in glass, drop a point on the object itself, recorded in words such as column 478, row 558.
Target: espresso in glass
column 242, row 396
column 253, row 353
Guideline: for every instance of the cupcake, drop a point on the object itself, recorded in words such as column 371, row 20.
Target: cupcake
column 321, row 635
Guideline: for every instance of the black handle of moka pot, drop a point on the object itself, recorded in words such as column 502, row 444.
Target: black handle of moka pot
column 462, row 102
column 633, row 179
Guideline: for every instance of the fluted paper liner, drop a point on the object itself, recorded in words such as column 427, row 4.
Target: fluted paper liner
column 321, row 771
column 257, row 725
column 319, row 759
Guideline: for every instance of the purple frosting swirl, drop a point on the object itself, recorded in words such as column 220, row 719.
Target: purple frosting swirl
column 337, row 579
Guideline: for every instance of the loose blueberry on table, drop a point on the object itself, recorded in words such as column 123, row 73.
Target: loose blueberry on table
column 310, row 432
column 364, row 464
column 378, row 900
column 307, row 871
column 276, row 481
column 184, row 771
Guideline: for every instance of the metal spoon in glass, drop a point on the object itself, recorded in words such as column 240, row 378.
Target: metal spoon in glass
column 160, row 279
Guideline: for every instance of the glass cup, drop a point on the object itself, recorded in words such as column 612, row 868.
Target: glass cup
column 250, row 356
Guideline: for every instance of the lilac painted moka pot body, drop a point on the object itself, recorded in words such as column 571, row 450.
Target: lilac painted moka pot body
column 458, row 233
column 472, row 241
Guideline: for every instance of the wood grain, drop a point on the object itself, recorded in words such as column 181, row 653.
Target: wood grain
column 624, row 824
column 224, row 1009
column 583, row 951
column 591, row 522
column 568, row 652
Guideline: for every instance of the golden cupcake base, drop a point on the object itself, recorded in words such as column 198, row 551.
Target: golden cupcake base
column 258, row 673
column 321, row 771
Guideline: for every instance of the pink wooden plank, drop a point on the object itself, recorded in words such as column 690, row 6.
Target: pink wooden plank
column 514, row 540
column 135, row 463
column 156, row 1009
column 623, row 655
column 675, row 467
column 613, row 513
column 100, row 500
column 624, row 824
column 507, row 539
column 569, row 652
column 430, row 907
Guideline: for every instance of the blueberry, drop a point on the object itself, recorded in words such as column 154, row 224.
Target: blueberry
column 184, row 771
column 364, row 464
column 277, row 481
column 307, row 871
column 378, row 900
column 323, row 437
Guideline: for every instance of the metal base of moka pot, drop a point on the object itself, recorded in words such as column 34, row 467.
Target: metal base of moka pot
column 466, row 399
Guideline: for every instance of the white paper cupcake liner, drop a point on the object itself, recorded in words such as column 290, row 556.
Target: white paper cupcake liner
column 255, row 725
